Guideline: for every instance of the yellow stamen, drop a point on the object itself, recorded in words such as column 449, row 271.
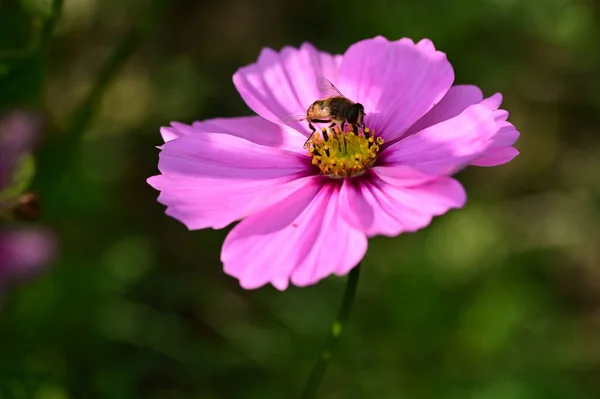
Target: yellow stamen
column 340, row 154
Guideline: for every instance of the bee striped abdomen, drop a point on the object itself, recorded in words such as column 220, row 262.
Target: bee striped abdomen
column 319, row 110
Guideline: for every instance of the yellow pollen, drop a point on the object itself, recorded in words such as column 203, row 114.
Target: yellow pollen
column 340, row 154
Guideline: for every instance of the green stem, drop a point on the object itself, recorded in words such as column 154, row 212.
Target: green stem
column 41, row 33
column 83, row 115
column 52, row 20
column 318, row 371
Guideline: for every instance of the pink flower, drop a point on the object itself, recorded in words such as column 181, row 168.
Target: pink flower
column 25, row 250
column 24, row 253
column 306, row 214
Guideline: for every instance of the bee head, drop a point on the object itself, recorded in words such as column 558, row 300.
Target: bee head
column 356, row 114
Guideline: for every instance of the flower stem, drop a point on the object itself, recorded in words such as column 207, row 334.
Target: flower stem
column 80, row 119
column 318, row 371
column 55, row 12
column 41, row 33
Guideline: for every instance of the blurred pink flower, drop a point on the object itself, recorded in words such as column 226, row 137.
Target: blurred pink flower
column 24, row 252
column 306, row 214
column 24, row 249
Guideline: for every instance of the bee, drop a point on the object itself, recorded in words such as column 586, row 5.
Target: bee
column 334, row 107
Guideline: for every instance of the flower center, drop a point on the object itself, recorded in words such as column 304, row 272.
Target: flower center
column 340, row 154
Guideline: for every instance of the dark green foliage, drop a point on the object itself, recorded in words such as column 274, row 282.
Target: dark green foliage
column 499, row 300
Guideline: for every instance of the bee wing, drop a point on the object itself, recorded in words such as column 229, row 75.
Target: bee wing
column 293, row 118
column 327, row 88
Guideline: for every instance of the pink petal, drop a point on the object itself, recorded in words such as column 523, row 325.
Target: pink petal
column 493, row 102
column 446, row 147
column 500, row 115
column 507, row 135
column 456, row 100
column 496, row 156
column 501, row 150
column 397, row 81
column 283, row 83
column 176, row 130
column 401, row 175
column 252, row 128
column 426, row 45
column 212, row 180
column 378, row 208
column 302, row 239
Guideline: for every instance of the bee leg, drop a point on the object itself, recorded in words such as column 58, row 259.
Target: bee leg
column 312, row 133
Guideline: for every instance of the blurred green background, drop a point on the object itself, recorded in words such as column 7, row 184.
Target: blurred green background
column 499, row 300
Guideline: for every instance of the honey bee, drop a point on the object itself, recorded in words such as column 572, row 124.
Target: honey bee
column 334, row 107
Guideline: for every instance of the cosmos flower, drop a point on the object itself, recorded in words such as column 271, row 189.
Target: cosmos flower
column 24, row 249
column 307, row 213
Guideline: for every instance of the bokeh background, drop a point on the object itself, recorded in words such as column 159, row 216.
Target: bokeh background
column 500, row 300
